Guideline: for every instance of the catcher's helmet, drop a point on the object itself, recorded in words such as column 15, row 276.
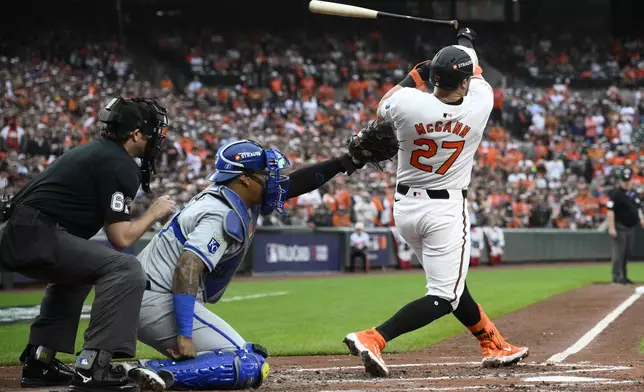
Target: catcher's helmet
column 247, row 157
column 450, row 66
column 238, row 157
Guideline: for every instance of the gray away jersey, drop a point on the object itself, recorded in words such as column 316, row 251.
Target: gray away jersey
column 201, row 225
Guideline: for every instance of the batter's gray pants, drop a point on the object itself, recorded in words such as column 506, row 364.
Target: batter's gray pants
column 158, row 329
column 622, row 248
column 35, row 246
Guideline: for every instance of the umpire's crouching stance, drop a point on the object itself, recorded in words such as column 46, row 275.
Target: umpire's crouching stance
column 47, row 237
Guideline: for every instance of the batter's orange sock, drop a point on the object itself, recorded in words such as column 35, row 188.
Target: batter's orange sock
column 485, row 330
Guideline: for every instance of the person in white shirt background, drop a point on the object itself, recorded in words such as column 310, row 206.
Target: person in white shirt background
column 359, row 244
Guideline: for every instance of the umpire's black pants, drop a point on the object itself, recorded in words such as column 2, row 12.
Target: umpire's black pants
column 622, row 248
column 35, row 246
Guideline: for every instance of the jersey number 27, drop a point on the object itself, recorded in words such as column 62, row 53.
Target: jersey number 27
column 457, row 146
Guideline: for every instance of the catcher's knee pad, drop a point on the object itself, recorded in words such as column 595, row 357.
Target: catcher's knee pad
column 229, row 370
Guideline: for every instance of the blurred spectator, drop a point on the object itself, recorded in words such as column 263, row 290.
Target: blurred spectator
column 341, row 218
column 540, row 212
column 477, row 237
column 545, row 160
column 364, row 209
column 322, row 217
column 495, row 241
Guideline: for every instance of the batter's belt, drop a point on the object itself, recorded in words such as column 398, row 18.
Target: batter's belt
column 432, row 193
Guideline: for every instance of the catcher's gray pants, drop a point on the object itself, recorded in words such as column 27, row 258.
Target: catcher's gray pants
column 622, row 248
column 35, row 246
column 158, row 329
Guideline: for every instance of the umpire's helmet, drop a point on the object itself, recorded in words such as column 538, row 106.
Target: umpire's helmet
column 122, row 116
column 450, row 67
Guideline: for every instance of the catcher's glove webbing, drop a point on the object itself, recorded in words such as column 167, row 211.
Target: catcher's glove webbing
column 374, row 143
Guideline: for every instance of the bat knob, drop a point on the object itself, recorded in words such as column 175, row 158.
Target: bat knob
column 455, row 24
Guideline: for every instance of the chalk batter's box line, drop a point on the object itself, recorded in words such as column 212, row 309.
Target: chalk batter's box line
column 462, row 378
column 464, row 364
column 485, row 387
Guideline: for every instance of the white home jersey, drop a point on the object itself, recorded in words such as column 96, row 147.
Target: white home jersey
column 437, row 140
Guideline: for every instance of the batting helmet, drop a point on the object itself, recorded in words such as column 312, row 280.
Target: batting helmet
column 450, row 67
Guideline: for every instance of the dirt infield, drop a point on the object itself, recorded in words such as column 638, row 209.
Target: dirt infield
column 609, row 361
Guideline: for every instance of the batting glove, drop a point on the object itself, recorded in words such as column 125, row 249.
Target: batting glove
column 467, row 33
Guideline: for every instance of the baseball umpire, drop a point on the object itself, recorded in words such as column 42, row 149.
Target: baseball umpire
column 47, row 237
column 624, row 213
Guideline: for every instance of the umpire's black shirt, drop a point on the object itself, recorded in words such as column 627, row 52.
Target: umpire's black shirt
column 625, row 204
column 87, row 186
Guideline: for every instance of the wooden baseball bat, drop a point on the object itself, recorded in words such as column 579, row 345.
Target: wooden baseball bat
column 329, row 8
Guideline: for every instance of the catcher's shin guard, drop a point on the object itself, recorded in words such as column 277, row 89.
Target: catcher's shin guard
column 228, row 370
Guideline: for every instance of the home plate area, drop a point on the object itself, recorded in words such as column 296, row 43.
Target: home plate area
column 583, row 340
column 458, row 376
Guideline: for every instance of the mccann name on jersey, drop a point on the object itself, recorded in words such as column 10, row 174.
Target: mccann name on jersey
column 456, row 128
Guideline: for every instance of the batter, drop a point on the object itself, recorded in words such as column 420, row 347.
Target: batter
column 439, row 135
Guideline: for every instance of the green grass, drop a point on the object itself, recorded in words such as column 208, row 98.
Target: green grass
column 317, row 313
column 642, row 346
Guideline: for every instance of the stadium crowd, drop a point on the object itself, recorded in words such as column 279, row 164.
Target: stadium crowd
column 545, row 161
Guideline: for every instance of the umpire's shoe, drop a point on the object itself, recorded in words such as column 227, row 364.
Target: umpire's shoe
column 41, row 369
column 94, row 373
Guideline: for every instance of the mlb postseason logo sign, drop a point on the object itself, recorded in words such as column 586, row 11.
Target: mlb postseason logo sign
column 284, row 253
column 297, row 252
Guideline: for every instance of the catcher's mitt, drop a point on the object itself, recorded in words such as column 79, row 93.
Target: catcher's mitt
column 374, row 143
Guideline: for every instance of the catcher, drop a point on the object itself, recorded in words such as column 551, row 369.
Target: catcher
column 194, row 257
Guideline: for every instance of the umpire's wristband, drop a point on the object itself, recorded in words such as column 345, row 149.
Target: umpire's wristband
column 184, row 311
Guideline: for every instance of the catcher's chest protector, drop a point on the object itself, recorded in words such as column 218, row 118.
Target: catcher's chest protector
column 239, row 224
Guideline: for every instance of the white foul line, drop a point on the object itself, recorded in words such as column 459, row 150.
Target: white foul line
column 253, row 296
column 596, row 330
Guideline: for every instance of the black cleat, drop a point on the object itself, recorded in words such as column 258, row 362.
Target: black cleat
column 36, row 374
column 112, row 381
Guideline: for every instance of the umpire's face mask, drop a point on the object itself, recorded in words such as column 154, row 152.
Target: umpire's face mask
column 153, row 129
